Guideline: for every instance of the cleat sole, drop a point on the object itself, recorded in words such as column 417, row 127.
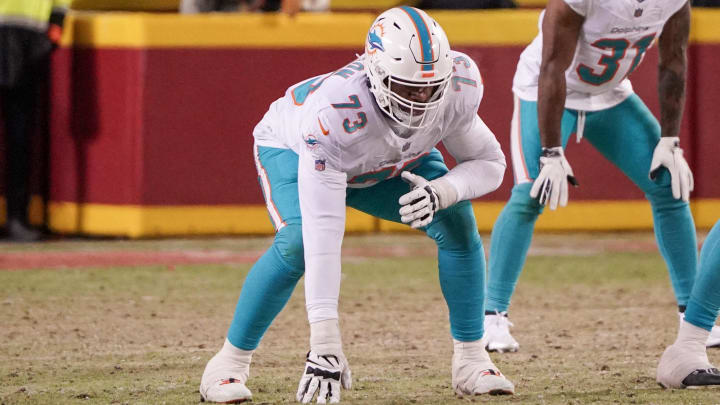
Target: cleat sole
column 701, row 379
column 501, row 392
column 234, row 401
column 497, row 350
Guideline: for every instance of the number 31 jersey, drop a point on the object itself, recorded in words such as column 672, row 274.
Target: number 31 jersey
column 612, row 42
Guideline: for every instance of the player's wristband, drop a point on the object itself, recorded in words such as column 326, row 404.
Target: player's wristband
column 445, row 191
column 555, row 151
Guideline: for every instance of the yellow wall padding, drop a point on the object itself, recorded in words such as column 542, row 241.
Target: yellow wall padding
column 142, row 221
column 147, row 30
column 172, row 5
column 274, row 30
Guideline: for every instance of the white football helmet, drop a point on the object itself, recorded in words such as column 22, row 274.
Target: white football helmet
column 407, row 51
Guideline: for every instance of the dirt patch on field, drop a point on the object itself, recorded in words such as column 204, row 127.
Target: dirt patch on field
column 61, row 260
column 76, row 259
column 119, row 254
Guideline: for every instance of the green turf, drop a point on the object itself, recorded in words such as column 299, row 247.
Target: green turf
column 591, row 327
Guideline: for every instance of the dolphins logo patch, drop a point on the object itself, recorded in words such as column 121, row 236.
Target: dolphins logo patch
column 375, row 39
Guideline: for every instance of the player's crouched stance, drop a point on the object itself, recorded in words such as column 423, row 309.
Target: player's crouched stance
column 364, row 136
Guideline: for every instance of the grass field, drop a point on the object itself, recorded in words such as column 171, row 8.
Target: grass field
column 593, row 313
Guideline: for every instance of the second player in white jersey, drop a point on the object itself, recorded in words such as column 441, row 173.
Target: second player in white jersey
column 614, row 40
column 573, row 79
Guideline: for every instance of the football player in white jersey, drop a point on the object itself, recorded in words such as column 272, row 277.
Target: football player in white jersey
column 573, row 78
column 364, row 136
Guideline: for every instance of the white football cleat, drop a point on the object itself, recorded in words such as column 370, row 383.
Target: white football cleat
column 682, row 367
column 685, row 362
column 714, row 338
column 497, row 333
column 473, row 373
column 225, row 375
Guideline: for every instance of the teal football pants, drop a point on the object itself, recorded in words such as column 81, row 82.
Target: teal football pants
column 702, row 310
column 271, row 281
column 626, row 135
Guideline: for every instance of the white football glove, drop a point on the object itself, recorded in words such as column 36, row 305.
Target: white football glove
column 326, row 368
column 551, row 184
column 324, row 374
column 420, row 204
column 424, row 199
column 668, row 153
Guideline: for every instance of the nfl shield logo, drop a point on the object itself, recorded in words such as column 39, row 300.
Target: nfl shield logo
column 638, row 12
column 320, row 165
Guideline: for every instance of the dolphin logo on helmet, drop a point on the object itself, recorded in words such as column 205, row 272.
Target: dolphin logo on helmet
column 375, row 42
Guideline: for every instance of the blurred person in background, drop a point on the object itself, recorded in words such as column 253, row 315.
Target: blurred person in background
column 290, row 7
column 466, row 4
column 685, row 362
column 573, row 79
column 29, row 30
column 706, row 3
column 365, row 136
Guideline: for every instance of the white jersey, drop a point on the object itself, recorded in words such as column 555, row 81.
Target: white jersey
column 343, row 140
column 612, row 43
column 334, row 119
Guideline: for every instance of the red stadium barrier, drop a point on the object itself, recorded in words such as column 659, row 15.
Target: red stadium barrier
column 153, row 115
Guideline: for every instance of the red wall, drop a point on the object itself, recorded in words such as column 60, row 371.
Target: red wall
column 174, row 126
column 705, row 119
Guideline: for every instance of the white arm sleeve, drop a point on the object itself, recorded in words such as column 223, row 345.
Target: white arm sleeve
column 481, row 162
column 322, row 205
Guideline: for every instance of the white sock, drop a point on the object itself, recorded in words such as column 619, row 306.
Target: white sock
column 473, row 351
column 692, row 336
column 235, row 354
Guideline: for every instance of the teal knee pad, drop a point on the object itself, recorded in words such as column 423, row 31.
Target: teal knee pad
column 289, row 245
column 659, row 193
column 521, row 203
column 454, row 228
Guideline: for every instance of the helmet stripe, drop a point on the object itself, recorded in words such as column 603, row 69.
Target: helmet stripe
column 423, row 35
